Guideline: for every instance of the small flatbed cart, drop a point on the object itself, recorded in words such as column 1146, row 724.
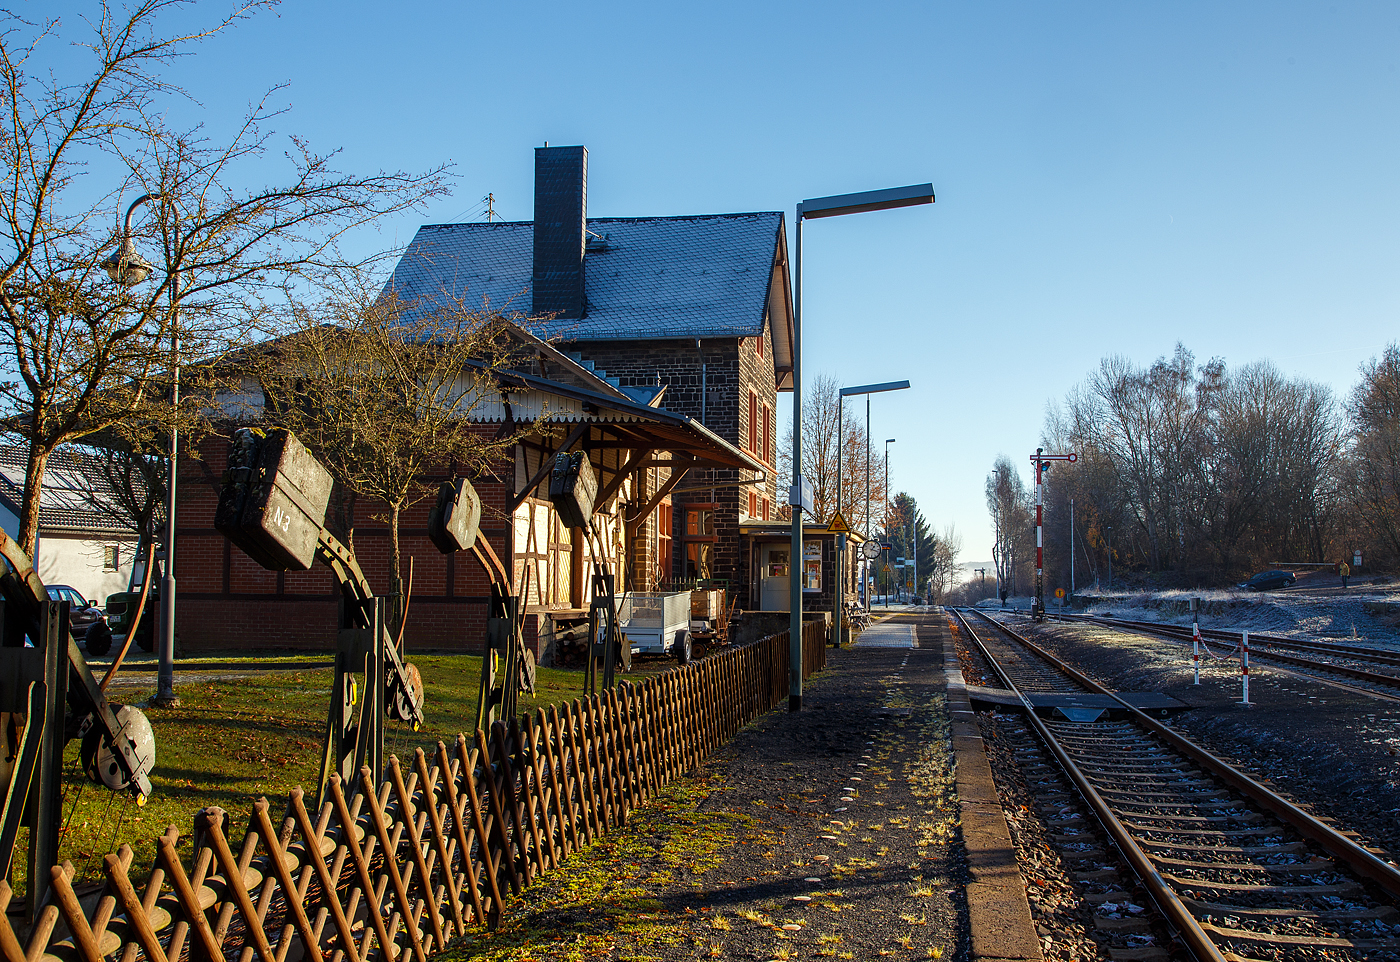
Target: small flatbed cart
column 656, row 623
column 709, row 616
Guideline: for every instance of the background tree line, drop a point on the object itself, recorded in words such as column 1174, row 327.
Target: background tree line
column 912, row 538
column 864, row 491
column 1202, row 474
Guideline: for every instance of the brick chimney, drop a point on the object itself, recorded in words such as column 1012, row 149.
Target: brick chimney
column 561, row 215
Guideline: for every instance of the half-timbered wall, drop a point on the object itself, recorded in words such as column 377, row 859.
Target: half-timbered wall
column 228, row 601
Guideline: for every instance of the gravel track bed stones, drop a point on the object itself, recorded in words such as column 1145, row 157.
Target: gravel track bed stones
column 1084, row 904
column 975, row 670
column 1334, row 750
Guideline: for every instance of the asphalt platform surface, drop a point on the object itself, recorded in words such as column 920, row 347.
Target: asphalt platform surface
column 836, row 834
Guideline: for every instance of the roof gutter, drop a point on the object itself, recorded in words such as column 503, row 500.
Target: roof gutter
column 632, row 407
column 714, row 438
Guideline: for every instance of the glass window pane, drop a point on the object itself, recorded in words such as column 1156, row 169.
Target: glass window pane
column 699, row 521
column 699, row 560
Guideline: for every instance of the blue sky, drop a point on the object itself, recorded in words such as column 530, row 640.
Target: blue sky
column 1111, row 177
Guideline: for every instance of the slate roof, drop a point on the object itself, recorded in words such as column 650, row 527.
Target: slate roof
column 66, row 504
column 645, row 277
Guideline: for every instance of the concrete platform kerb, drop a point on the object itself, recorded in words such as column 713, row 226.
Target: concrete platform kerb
column 999, row 915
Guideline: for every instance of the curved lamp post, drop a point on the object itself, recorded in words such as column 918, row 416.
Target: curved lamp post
column 833, row 206
column 128, row 268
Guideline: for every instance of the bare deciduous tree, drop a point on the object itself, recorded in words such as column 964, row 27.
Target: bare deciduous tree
column 820, row 449
column 1199, row 470
column 84, row 354
column 1371, row 474
column 133, row 495
column 384, row 394
column 1010, row 510
column 942, row 561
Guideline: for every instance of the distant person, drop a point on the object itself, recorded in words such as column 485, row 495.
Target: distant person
column 1344, row 570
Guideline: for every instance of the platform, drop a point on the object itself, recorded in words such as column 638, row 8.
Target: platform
column 1077, row 706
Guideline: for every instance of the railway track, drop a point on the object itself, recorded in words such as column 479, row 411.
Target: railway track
column 1375, row 667
column 1236, row 871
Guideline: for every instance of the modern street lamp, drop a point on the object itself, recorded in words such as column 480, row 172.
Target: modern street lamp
column 885, row 520
column 128, row 268
column 833, row 206
column 914, row 558
column 845, row 392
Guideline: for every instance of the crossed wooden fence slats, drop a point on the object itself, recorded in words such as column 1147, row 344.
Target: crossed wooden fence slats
column 406, row 865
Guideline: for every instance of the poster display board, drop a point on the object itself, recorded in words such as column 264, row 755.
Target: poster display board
column 811, row 566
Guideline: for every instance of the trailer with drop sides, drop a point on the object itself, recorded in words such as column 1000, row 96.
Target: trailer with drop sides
column 656, row 623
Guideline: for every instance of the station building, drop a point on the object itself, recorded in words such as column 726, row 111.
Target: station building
column 658, row 345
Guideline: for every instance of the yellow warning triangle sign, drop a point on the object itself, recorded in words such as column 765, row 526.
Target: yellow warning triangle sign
column 838, row 524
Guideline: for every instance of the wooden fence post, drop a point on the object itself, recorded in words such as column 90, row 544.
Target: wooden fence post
column 413, row 857
column 526, row 797
column 570, row 780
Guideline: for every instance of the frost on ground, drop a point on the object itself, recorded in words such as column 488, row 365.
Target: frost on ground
column 1363, row 614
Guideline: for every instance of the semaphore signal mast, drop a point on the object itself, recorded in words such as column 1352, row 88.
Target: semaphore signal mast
column 1042, row 463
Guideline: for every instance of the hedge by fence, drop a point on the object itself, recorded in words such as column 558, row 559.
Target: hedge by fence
column 413, row 862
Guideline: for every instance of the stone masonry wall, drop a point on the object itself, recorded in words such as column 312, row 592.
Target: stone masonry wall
column 733, row 368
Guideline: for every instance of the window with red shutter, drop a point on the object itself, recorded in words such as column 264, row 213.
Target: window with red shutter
column 698, row 541
column 663, row 545
column 767, row 435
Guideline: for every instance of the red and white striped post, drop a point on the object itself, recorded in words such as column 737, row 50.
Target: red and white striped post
column 1196, row 640
column 1244, row 666
column 1039, row 611
column 1042, row 463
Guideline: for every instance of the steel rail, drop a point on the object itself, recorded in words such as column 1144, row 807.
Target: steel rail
column 1357, row 858
column 1179, row 632
column 1377, row 655
column 1308, row 670
column 1200, row 944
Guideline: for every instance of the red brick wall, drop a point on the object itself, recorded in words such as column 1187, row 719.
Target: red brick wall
column 226, row 601
column 734, row 368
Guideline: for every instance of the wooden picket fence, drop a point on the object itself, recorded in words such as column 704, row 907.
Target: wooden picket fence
column 434, row 849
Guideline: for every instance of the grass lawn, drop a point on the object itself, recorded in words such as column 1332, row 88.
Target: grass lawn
column 233, row 739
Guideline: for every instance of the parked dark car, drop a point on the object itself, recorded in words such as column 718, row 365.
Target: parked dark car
column 81, row 612
column 1269, row 580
